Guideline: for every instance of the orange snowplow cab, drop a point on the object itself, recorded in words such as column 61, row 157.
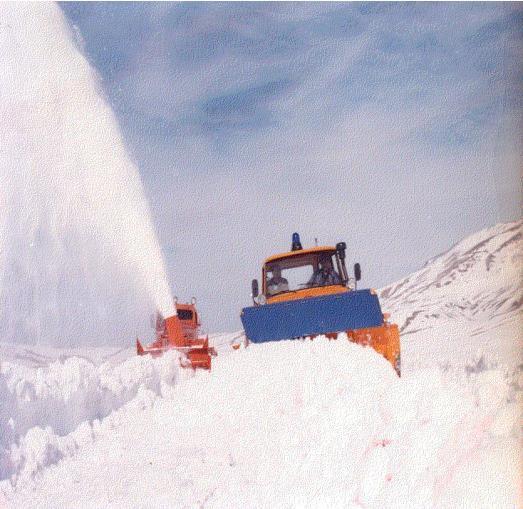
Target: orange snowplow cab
column 308, row 292
column 180, row 332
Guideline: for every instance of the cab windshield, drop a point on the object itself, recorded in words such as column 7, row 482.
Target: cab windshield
column 302, row 271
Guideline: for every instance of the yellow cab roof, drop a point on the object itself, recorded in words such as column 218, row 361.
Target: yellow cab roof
column 299, row 252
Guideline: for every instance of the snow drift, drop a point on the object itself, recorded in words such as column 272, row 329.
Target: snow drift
column 290, row 424
column 79, row 260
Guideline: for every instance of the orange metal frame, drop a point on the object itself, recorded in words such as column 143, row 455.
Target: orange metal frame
column 302, row 293
column 306, row 293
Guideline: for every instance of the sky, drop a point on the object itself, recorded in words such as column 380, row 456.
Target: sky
column 395, row 127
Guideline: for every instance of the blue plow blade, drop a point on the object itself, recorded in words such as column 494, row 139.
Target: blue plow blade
column 340, row 312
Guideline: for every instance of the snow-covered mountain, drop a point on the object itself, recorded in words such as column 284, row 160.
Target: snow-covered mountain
column 472, row 293
column 478, row 280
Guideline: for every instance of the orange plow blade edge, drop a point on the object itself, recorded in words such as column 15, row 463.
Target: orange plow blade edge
column 385, row 340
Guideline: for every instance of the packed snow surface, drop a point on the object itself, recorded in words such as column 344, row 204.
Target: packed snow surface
column 79, row 260
column 294, row 423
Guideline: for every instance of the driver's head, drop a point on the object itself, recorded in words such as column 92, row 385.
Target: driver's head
column 276, row 271
column 326, row 262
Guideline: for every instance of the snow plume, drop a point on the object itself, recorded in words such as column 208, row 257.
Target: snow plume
column 80, row 262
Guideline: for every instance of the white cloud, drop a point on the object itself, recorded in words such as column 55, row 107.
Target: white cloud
column 417, row 149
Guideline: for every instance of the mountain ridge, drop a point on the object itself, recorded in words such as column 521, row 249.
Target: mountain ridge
column 471, row 294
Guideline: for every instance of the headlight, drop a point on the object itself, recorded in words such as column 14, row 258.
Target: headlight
column 261, row 300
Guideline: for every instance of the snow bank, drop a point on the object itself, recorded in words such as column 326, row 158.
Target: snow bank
column 40, row 406
column 293, row 424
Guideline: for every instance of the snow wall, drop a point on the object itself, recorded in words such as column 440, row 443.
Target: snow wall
column 79, row 260
column 288, row 424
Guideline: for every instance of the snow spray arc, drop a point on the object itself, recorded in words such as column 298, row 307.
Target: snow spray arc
column 79, row 260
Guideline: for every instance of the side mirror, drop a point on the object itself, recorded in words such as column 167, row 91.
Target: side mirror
column 255, row 289
column 357, row 271
column 340, row 247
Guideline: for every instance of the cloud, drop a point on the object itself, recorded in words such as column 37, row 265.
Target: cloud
column 393, row 127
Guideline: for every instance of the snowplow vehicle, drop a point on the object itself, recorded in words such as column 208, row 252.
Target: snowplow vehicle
column 180, row 332
column 308, row 292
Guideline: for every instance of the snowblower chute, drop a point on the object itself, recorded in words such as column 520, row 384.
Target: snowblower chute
column 307, row 292
column 180, row 332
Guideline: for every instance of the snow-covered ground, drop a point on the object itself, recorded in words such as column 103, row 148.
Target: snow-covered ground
column 288, row 424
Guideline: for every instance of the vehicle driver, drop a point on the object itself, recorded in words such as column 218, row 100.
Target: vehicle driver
column 277, row 283
column 325, row 274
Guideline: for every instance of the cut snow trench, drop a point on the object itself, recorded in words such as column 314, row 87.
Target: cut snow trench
column 45, row 412
column 289, row 424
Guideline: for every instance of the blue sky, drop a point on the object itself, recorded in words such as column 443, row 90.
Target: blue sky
column 394, row 127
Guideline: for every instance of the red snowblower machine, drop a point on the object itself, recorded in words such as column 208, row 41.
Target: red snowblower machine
column 180, row 332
